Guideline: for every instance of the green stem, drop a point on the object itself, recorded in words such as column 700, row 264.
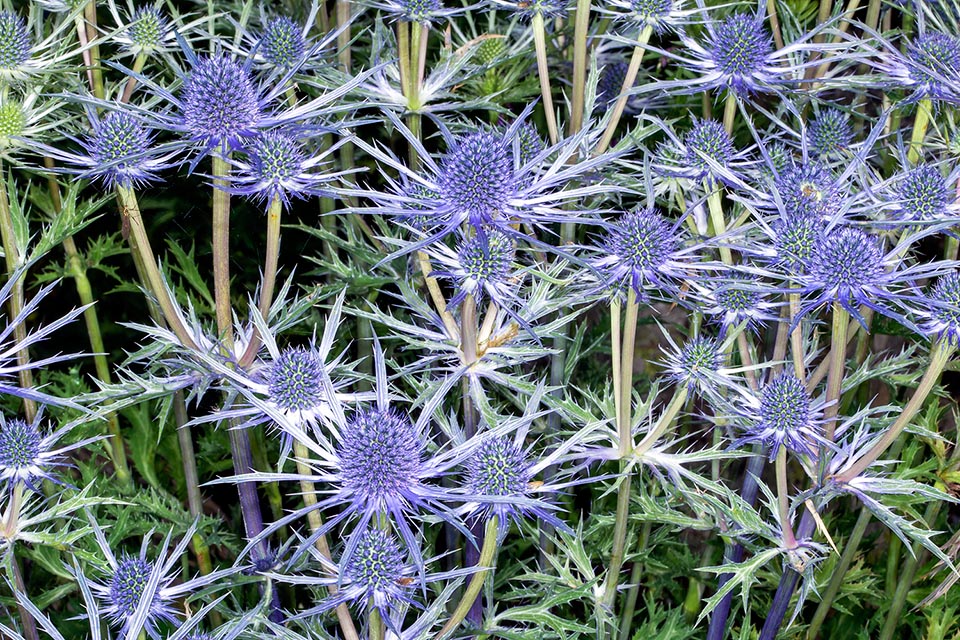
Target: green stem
column 775, row 23
column 140, row 244
column 12, row 255
column 729, row 111
column 939, row 357
column 920, row 124
column 581, row 27
column 628, row 80
column 839, row 573
column 138, row 63
column 543, row 71
column 485, row 564
column 783, row 499
column 838, row 362
column 221, row 250
column 619, row 549
column 90, row 14
column 625, row 419
column 666, row 419
column 268, row 285
column 715, row 205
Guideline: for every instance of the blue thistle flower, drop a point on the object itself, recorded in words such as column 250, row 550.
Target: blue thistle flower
column 941, row 311
column 706, row 151
column 644, row 251
column 922, row 194
column 138, row 594
column 736, row 298
column 809, row 189
column 481, row 181
column 529, row 8
column 294, row 380
column 15, row 44
column 482, row 264
column 700, row 365
column 830, row 134
column 421, row 11
column 27, row 455
column 119, row 151
column 848, row 266
column 708, row 140
column 658, row 14
column 933, row 60
column 278, row 166
column 795, row 238
column 282, row 43
column 610, row 83
column 783, row 414
column 219, row 102
column 530, row 143
column 740, row 48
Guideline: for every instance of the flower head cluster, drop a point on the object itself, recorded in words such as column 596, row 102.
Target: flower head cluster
column 282, row 43
column 922, row 194
column 219, row 102
column 15, row 44
column 808, row 189
column 656, row 14
column 28, row 455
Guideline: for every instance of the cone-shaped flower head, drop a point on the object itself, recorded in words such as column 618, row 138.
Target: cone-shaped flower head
column 795, row 238
column 13, row 121
column 376, row 569
column 477, row 176
column 147, row 30
column 127, row 585
column 282, row 43
column 708, row 139
column 942, row 313
column 933, row 61
column 611, row 82
column 379, row 453
column 845, row 262
column 20, row 448
column 420, row 10
column 808, row 188
column 295, row 380
column 118, row 147
column 830, row 133
column 219, row 101
column 529, row 140
column 14, row 43
column 487, row 259
column 784, row 415
column 498, row 468
column 922, row 194
column 640, row 248
column 741, row 48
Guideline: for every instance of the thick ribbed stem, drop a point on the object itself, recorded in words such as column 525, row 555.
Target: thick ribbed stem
column 920, row 124
column 488, row 554
column 729, row 111
column 221, row 250
column 632, row 69
column 543, row 71
column 838, row 361
column 581, row 28
column 783, row 500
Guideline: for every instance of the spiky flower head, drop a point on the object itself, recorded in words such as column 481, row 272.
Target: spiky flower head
column 941, row 312
column 830, row 133
column 376, row 569
column 610, row 83
column 784, row 415
column 490, row 50
column 380, row 457
column 740, row 48
column 808, row 189
column 698, row 364
column 736, row 299
column 530, row 142
column 845, row 262
column 13, row 122
column 476, row 176
column 20, row 449
column 14, row 43
column 147, row 30
column 282, row 43
column 529, row 8
column 795, row 238
column 118, row 147
column 498, row 468
column 487, row 258
column 922, row 194
column 295, row 380
column 933, row 61
column 421, row 11
column 219, row 101
column 127, row 585
column 708, row 139
column 640, row 249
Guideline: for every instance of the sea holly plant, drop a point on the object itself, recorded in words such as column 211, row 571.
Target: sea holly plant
column 413, row 319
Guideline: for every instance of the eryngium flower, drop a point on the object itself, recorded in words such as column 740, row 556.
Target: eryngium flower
column 610, row 83
column 740, row 49
column 783, row 415
column 808, row 189
column 421, row 11
column 657, row 14
column 700, row 365
column 15, row 44
column 147, row 30
column 848, row 267
column 941, row 313
column 922, row 194
column 830, row 133
column 500, row 482
column 486, row 262
column 708, row 144
column 282, row 43
column 795, row 237
column 27, row 455
column 294, row 380
column 738, row 297
column 477, row 176
column 278, row 166
column 138, row 594
column 706, row 151
column 643, row 251
column 219, row 102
